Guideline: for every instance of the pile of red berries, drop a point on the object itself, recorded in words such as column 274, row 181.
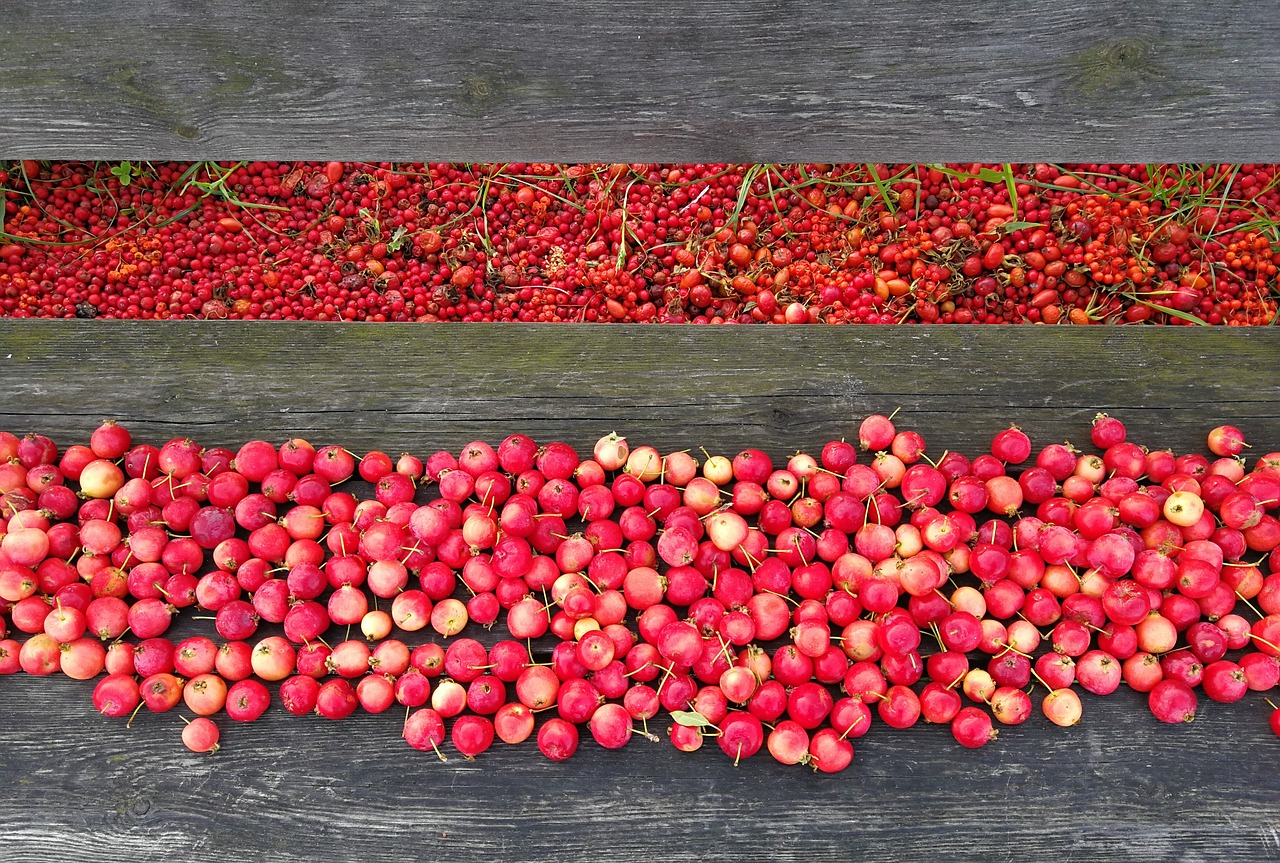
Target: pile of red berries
column 794, row 606
column 813, row 243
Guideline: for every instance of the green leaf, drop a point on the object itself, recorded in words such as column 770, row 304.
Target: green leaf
column 744, row 191
column 188, row 176
column 1019, row 226
column 986, row 175
column 124, row 172
column 883, row 188
column 691, row 718
column 1175, row 313
column 397, row 239
column 1011, row 186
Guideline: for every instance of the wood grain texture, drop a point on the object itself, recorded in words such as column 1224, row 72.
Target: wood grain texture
column 1116, row 788
column 410, row 387
column 636, row 81
column 1120, row 787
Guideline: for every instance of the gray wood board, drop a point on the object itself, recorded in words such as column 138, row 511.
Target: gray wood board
column 412, row 387
column 1119, row 787
column 635, row 81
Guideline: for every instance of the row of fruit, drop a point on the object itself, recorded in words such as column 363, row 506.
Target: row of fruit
column 794, row 605
column 800, row 243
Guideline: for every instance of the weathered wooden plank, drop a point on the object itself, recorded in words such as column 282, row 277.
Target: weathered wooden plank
column 409, row 386
column 635, row 81
column 1119, row 787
